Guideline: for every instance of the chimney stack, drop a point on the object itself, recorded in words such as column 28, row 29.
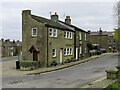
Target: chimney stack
column 54, row 17
column 68, row 20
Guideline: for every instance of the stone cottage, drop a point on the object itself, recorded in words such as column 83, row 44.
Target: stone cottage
column 104, row 39
column 10, row 48
column 51, row 40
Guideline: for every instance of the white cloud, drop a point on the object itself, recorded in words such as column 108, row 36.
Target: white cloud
column 86, row 15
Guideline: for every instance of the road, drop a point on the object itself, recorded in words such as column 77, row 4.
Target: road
column 72, row 77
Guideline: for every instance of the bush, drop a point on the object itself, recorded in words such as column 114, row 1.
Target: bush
column 29, row 64
column 72, row 59
column 67, row 61
column 54, row 63
column 114, row 86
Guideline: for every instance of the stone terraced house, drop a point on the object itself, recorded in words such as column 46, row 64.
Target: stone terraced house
column 52, row 40
column 104, row 39
column 10, row 48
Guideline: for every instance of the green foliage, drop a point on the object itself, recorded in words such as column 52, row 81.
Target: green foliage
column 54, row 63
column 114, row 86
column 68, row 61
column 72, row 59
column 29, row 63
column 117, row 35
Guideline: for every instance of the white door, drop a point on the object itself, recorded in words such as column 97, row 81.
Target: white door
column 61, row 57
column 76, row 53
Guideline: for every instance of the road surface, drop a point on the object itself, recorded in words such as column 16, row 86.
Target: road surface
column 72, row 77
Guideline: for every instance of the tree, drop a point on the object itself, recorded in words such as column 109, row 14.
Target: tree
column 117, row 35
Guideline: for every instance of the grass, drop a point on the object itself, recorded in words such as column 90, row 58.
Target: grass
column 114, row 86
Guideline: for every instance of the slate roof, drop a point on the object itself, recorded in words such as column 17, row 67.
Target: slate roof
column 105, row 33
column 50, row 22
column 74, row 26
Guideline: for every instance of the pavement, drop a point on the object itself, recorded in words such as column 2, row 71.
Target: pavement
column 72, row 77
column 99, row 83
column 9, row 67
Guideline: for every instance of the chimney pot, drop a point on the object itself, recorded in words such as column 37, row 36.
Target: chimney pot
column 54, row 17
column 68, row 20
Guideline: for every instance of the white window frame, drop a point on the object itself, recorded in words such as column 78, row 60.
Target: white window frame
column 65, row 51
column 65, row 34
column 33, row 33
column 68, row 52
column 80, row 36
column 70, row 35
column 71, row 51
column 53, row 32
column 54, row 53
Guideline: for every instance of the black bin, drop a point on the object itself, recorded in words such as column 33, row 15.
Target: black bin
column 18, row 64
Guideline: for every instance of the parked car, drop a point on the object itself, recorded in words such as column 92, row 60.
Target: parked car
column 103, row 50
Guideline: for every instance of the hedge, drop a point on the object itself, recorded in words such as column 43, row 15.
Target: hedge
column 29, row 64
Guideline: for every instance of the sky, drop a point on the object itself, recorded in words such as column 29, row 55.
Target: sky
column 85, row 15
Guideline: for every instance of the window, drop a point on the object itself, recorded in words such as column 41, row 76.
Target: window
column 85, row 37
column 70, row 35
column 53, row 32
column 80, row 36
column 54, row 52
column 70, row 51
column 65, row 51
column 34, row 31
column 65, row 34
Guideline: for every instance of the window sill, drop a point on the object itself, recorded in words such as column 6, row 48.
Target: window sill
column 33, row 36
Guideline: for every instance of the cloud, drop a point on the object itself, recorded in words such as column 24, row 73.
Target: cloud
column 86, row 15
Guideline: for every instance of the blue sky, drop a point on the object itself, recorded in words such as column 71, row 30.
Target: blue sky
column 86, row 15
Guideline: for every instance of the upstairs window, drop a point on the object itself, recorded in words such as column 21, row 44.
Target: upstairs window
column 54, row 52
column 65, row 34
column 53, row 32
column 34, row 32
column 68, row 34
column 80, row 36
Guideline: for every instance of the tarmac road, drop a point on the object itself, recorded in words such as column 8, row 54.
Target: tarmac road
column 72, row 77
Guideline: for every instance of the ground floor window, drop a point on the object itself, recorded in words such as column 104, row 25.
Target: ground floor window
column 54, row 52
column 68, row 51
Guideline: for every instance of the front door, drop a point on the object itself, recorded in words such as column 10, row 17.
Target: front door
column 35, row 56
column 61, row 57
column 76, row 53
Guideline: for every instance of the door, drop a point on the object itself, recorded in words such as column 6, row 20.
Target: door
column 76, row 53
column 61, row 60
column 35, row 56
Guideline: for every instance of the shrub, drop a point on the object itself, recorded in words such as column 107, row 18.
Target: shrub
column 67, row 61
column 114, row 86
column 72, row 59
column 29, row 64
column 54, row 63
